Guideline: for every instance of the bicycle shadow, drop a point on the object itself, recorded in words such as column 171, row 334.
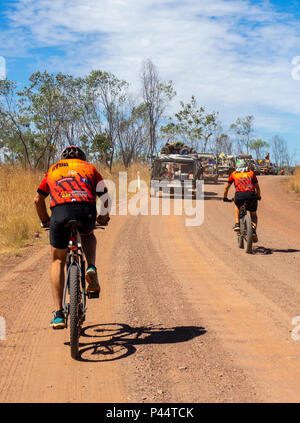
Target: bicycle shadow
column 267, row 251
column 115, row 341
column 210, row 195
column 206, row 195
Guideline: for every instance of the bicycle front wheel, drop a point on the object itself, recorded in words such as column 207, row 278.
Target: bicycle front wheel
column 75, row 299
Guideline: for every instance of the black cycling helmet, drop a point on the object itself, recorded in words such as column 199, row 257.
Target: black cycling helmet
column 73, row 152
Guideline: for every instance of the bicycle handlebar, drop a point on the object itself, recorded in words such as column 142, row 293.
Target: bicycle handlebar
column 97, row 226
column 100, row 226
column 103, row 225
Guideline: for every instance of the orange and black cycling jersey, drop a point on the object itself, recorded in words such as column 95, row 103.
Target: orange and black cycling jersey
column 72, row 181
column 243, row 181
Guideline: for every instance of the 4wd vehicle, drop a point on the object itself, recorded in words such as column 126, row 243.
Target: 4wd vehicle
column 226, row 164
column 274, row 169
column 254, row 166
column 267, row 168
column 172, row 170
column 209, row 166
column 251, row 162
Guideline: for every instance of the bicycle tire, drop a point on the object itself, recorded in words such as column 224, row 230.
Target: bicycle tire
column 249, row 232
column 75, row 297
column 240, row 234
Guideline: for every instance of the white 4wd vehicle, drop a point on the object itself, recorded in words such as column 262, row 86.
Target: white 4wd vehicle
column 171, row 171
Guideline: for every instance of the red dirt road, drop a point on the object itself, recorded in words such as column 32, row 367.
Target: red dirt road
column 184, row 316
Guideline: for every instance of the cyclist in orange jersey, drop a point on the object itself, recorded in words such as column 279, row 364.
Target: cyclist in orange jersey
column 246, row 190
column 73, row 185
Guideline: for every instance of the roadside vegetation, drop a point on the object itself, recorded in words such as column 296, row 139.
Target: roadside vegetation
column 19, row 224
column 115, row 122
column 295, row 180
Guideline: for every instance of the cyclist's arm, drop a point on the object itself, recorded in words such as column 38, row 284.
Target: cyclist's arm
column 42, row 192
column 41, row 208
column 104, row 199
column 103, row 217
column 102, row 192
column 257, row 188
column 227, row 187
column 256, row 185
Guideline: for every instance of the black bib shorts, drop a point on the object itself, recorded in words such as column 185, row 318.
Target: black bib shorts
column 83, row 212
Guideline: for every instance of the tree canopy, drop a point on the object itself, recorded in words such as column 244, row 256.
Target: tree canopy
column 102, row 114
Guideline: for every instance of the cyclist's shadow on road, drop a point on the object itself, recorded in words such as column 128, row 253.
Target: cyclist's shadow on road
column 113, row 341
column 267, row 251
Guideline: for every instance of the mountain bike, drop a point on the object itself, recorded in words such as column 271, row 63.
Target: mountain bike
column 75, row 286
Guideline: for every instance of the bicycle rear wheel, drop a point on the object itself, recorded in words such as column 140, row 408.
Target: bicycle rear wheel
column 75, row 300
column 249, row 234
column 241, row 233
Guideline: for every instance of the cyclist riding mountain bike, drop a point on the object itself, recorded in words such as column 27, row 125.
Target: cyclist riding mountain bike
column 247, row 191
column 73, row 185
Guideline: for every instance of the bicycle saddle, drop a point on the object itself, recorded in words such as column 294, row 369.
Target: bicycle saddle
column 74, row 224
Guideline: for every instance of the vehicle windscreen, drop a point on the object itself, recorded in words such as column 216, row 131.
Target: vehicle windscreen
column 173, row 170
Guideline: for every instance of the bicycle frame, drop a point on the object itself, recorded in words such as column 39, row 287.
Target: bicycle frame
column 75, row 256
column 243, row 210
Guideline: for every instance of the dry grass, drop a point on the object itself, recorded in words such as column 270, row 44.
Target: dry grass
column 132, row 171
column 18, row 218
column 132, row 175
column 295, row 181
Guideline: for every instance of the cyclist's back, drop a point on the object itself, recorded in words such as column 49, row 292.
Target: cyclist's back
column 244, row 181
column 72, row 184
column 71, row 181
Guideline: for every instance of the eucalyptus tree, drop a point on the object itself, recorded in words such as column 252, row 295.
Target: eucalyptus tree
column 192, row 125
column 15, row 132
column 189, row 120
column 243, row 129
column 171, row 132
column 210, row 124
column 156, row 96
column 132, row 132
column 259, row 146
column 107, row 93
column 49, row 107
column 222, row 143
column 100, row 148
column 74, row 124
column 280, row 150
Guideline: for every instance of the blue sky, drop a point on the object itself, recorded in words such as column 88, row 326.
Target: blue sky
column 235, row 56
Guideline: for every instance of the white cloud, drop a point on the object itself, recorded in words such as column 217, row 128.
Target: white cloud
column 233, row 55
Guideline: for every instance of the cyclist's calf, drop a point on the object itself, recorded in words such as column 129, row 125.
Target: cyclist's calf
column 58, row 275
column 254, row 219
column 89, row 243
